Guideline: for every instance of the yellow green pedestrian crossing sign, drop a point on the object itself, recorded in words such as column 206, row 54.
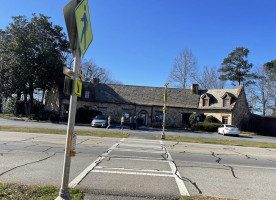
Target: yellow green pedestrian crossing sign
column 78, row 87
column 84, row 29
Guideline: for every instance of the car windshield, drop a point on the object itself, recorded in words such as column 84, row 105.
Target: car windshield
column 231, row 126
column 100, row 117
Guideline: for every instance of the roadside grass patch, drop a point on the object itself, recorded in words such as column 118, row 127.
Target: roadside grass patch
column 7, row 115
column 220, row 142
column 203, row 197
column 63, row 132
column 33, row 192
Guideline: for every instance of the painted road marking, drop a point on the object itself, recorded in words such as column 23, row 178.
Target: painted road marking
column 132, row 173
column 134, row 169
column 221, row 151
column 242, row 166
column 62, row 141
column 180, row 183
column 82, row 175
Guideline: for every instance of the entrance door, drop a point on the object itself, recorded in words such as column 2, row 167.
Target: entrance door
column 143, row 115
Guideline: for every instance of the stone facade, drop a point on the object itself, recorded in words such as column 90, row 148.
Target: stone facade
column 146, row 103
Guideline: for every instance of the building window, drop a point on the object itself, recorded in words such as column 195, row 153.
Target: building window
column 86, row 94
column 226, row 102
column 158, row 116
column 225, row 120
column 205, row 102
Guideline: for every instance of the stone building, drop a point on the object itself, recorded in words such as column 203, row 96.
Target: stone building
column 227, row 105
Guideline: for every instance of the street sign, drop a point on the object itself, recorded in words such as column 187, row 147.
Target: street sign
column 70, row 21
column 83, row 25
column 68, row 72
column 78, row 87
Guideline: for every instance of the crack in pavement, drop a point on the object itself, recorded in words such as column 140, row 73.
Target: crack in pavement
column 247, row 156
column 27, row 164
column 31, row 146
column 218, row 161
column 175, row 144
column 31, row 138
column 176, row 170
column 83, row 141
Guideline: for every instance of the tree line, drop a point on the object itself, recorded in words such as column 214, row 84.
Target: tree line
column 259, row 82
column 32, row 55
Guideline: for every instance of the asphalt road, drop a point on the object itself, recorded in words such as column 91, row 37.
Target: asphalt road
column 134, row 168
column 141, row 133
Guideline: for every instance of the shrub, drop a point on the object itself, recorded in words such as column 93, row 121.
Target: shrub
column 82, row 116
column 195, row 117
column 211, row 119
column 45, row 116
column 206, row 126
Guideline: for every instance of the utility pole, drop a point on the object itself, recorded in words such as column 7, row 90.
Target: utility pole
column 64, row 190
column 163, row 137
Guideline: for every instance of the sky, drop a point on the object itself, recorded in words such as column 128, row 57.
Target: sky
column 138, row 40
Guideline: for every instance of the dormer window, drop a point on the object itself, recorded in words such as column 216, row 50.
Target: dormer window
column 206, row 102
column 226, row 102
column 206, row 99
column 226, row 99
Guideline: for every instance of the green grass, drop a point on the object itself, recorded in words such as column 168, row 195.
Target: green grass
column 7, row 115
column 32, row 192
column 221, row 142
column 63, row 132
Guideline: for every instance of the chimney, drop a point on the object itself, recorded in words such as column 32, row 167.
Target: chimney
column 194, row 88
column 95, row 80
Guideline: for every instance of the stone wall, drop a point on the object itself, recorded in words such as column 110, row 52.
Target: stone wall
column 219, row 115
column 241, row 113
column 173, row 115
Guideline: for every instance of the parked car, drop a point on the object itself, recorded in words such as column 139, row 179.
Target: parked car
column 99, row 121
column 228, row 129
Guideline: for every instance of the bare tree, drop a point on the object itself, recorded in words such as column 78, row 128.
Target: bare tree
column 209, row 78
column 92, row 70
column 184, row 68
column 259, row 94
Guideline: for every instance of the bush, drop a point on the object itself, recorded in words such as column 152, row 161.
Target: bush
column 45, row 116
column 206, row 126
column 195, row 117
column 211, row 119
column 82, row 116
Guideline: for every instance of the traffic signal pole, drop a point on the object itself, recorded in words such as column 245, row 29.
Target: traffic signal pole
column 64, row 190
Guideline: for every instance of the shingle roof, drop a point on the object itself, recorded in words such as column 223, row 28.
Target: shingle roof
column 145, row 95
column 176, row 97
column 216, row 101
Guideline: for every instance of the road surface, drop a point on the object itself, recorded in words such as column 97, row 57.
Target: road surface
column 131, row 168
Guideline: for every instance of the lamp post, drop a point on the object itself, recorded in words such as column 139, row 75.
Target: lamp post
column 163, row 137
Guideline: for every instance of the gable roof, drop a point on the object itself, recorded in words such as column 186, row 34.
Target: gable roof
column 127, row 94
column 217, row 94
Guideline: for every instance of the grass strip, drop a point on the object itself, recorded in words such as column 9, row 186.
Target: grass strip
column 63, row 132
column 33, row 192
column 220, row 142
column 203, row 197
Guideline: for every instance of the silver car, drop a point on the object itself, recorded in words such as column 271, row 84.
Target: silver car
column 99, row 121
column 228, row 129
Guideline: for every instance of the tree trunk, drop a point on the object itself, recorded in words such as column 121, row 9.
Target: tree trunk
column 26, row 103
column 43, row 95
column 31, row 101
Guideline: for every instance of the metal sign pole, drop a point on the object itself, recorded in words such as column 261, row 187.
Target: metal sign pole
column 163, row 136
column 64, row 190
